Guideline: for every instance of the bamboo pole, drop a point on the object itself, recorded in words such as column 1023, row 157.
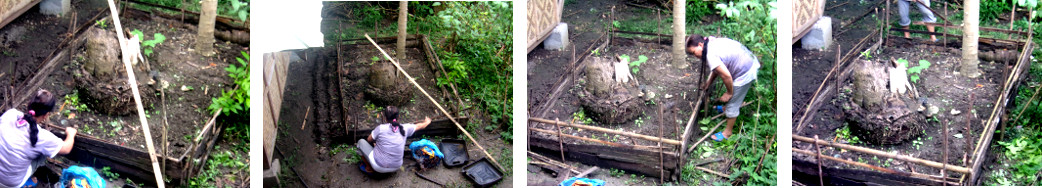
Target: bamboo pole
column 413, row 81
column 137, row 94
column 604, row 130
column 877, row 168
column 711, row 131
column 613, row 144
column 884, row 154
column 209, row 124
column 305, row 122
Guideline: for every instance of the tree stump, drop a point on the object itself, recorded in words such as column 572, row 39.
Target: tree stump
column 102, row 81
column 874, row 113
column 386, row 85
column 608, row 101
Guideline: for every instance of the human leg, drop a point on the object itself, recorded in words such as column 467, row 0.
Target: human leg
column 733, row 107
column 928, row 16
column 902, row 10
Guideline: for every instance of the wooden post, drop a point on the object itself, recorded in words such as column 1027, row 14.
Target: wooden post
column 403, row 15
column 413, row 81
column 560, row 140
column 971, row 21
column 137, row 94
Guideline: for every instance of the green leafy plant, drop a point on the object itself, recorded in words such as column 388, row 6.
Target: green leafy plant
column 74, row 101
column 634, row 65
column 107, row 172
column 914, row 72
column 240, row 9
column 580, row 116
column 148, row 45
column 238, row 99
column 102, row 23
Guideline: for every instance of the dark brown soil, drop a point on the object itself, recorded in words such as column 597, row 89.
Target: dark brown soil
column 173, row 62
column 938, row 84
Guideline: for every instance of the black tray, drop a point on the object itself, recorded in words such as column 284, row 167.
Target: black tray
column 483, row 173
column 455, row 152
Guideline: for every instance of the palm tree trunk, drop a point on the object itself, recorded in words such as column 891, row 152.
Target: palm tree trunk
column 403, row 14
column 679, row 56
column 971, row 23
column 207, row 18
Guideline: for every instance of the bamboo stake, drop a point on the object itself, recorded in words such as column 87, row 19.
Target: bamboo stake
column 692, row 148
column 817, row 153
column 604, row 130
column 413, row 81
column 560, row 140
column 137, row 94
column 884, row 154
column 305, row 123
column 877, row 168
column 661, row 157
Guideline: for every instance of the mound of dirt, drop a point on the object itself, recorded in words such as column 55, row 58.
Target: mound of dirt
column 102, row 80
column 608, row 101
column 386, row 85
column 877, row 115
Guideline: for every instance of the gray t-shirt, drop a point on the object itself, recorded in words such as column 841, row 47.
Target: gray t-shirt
column 738, row 60
column 390, row 144
column 16, row 153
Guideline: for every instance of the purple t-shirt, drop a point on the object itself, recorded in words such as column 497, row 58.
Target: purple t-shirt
column 16, row 153
column 739, row 61
column 390, row 144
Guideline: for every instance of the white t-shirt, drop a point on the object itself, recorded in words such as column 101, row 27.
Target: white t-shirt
column 739, row 61
column 16, row 151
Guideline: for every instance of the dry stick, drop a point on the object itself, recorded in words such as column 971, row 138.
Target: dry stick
column 945, row 131
column 612, row 144
column 692, row 148
column 587, row 172
column 1028, row 103
column 877, row 168
column 767, row 149
column 413, row 81
column 883, row 154
column 713, row 172
column 305, row 123
column 834, row 6
column 552, row 162
column 137, row 95
column 817, row 152
column 604, row 130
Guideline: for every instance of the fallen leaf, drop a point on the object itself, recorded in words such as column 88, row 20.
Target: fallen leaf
column 979, row 85
column 958, row 135
column 72, row 115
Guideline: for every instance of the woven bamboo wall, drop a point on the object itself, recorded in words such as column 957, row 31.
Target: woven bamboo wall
column 804, row 14
column 10, row 9
column 543, row 16
column 275, row 69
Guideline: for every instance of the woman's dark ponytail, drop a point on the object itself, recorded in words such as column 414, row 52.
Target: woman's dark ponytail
column 391, row 114
column 41, row 104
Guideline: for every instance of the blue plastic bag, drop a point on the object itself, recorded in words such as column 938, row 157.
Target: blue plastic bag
column 575, row 181
column 427, row 145
column 80, row 176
